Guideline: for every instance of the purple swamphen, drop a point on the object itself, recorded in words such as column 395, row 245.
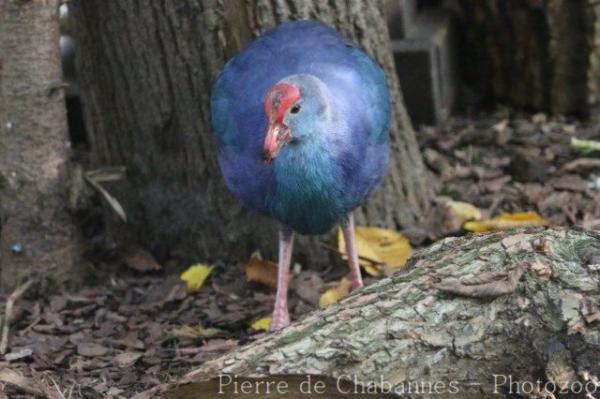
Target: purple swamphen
column 302, row 121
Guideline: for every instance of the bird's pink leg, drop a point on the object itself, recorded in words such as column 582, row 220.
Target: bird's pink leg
column 281, row 317
column 350, row 239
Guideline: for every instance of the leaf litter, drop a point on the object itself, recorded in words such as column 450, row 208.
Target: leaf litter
column 130, row 328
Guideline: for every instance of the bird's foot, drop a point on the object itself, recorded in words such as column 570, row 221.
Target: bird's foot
column 279, row 320
column 357, row 282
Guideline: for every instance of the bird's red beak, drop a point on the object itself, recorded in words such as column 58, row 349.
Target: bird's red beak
column 279, row 99
column 278, row 135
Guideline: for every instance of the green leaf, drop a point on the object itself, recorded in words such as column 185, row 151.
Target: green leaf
column 584, row 146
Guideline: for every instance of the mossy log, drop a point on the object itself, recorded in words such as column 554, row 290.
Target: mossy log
column 477, row 312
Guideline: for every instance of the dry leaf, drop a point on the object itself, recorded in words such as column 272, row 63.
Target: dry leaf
column 372, row 269
column 127, row 359
column 114, row 392
column 377, row 248
column 581, row 164
column 261, row 271
column 195, row 332
column 334, row 294
column 195, row 276
column 464, row 210
column 506, row 221
column 91, row 349
column 261, row 324
column 26, row 384
column 456, row 213
column 138, row 258
column 308, row 285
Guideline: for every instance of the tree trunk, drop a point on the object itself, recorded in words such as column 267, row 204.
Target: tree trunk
column 37, row 234
column 535, row 54
column 146, row 71
column 524, row 304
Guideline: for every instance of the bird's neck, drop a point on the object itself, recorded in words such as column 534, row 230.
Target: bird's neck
column 307, row 162
column 308, row 154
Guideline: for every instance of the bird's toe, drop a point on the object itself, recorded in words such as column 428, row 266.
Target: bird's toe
column 279, row 321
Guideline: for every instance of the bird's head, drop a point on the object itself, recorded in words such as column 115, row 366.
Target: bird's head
column 297, row 109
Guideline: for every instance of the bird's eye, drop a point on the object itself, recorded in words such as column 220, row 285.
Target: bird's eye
column 295, row 109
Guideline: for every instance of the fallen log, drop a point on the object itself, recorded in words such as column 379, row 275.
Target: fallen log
column 508, row 312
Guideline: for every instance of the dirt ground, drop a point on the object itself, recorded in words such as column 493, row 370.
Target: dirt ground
column 128, row 330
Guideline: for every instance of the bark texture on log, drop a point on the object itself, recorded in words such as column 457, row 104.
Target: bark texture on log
column 535, row 54
column 37, row 234
column 146, row 71
column 523, row 303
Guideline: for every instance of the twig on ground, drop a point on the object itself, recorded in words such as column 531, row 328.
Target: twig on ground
column 10, row 303
column 30, row 326
column 62, row 395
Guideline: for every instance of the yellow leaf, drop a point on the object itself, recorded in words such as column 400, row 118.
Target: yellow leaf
column 334, row 294
column 378, row 247
column 464, row 210
column 372, row 269
column 261, row 324
column 261, row 271
column 195, row 276
column 507, row 221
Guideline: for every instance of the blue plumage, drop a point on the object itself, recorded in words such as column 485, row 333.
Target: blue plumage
column 339, row 146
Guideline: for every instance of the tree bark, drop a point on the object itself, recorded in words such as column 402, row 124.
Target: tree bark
column 37, row 234
column 535, row 54
column 146, row 70
column 524, row 304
